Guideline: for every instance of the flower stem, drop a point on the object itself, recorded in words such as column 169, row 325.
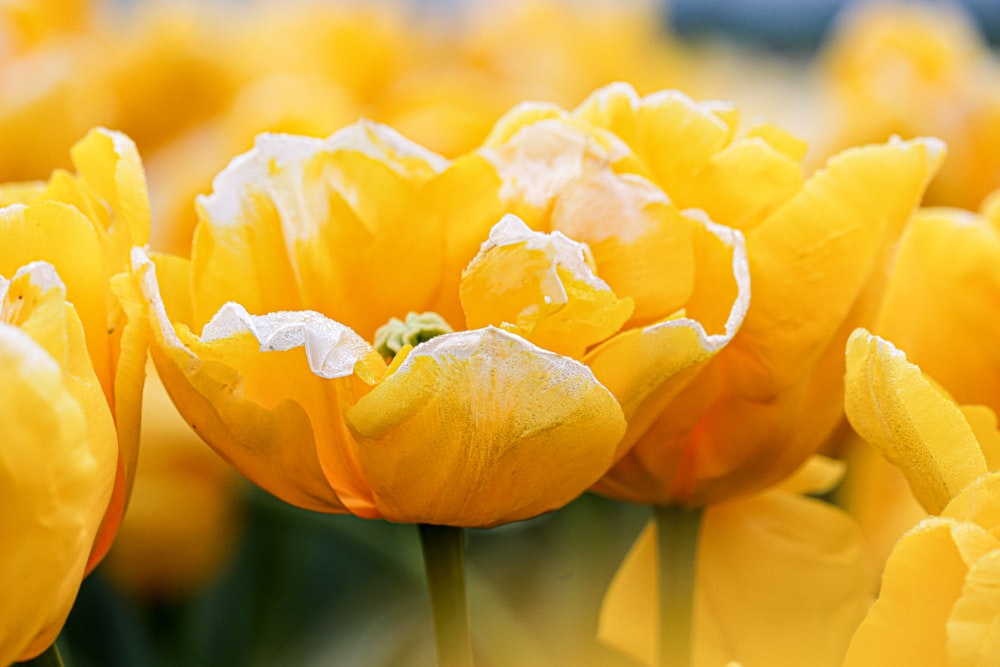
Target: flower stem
column 444, row 562
column 50, row 657
column 677, row 544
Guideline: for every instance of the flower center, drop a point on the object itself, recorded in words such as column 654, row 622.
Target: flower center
column 415, row 329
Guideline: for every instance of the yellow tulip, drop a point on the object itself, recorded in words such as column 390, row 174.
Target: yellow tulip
column 73, row 347
column 912, row 69
column 781, row 580
column 815, row 246
column 939, row 601
column 939, row 307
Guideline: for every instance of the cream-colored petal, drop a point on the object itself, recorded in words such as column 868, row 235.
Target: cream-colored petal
column 543, row 286
column 479, row 428
column 892, row 406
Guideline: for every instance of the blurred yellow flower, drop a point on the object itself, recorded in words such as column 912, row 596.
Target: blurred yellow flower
column 815, row 248
column 74, row 349
column 781, row 580
column 183, row 517
column 912, row 69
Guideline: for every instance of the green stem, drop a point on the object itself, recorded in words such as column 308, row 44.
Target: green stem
column 49, row 658
column 677, row 544
column 444, row 562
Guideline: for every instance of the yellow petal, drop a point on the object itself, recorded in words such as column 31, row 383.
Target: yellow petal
column 298, row 223
column 819, row 474
column 983, row 423
column 542, row 284
column 479, row 428
column 57, row 463
column 646, row 368
column 978, row 503
column 892, row 406
column 642, row 245
column 940, row 305
column 109, row 162
column 781, row 580
column 923, row 579
column 974, row 624
column 811, row 260
column 267, row 412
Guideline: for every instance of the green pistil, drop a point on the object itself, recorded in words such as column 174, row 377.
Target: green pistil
column 417, row 328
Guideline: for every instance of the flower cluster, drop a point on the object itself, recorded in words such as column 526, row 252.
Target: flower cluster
column 466, row 310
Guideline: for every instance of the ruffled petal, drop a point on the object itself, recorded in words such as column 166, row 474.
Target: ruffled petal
column 974, row 625
column 261, row 402
column 647, row 368
column 479, row 428
column 892, row 406
column 543, row 288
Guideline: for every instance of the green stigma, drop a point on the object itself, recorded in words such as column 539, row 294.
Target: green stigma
column 417, row 328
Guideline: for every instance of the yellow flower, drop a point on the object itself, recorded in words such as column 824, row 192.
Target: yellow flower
column 183, row 516
column 914, row 69
column 815, row 248
column 939, row 600
column 471, row 428
column 781, row 580
column 73, row 352
column 940, row 307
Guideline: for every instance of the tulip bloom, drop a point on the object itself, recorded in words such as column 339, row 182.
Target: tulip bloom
column 73, row 352
column 815, row 248
column 939, row 600
column 940, row 307
column 499, row 422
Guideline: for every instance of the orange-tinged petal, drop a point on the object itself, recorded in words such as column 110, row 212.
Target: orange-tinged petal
column 781, row 580
column 812, row 259
column 480, row 427
column 892, row 406
column 543, row 285
column 923, row 579
column 940, row 305
column 267, row 412
column 647, row 368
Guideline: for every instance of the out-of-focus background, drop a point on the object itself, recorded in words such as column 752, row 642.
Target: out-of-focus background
column 208, row 570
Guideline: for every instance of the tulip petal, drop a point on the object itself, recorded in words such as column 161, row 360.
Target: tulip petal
column 907, row 624
column 892, row 406
column 781, row 580
column 318, row 217
column 58, row 462
column 811, row 260
column 646, row 368
column 543, row 286
column 266, row 412
column 940, row 305
column 478, row 428
column 974, row 624
column 642, row 245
